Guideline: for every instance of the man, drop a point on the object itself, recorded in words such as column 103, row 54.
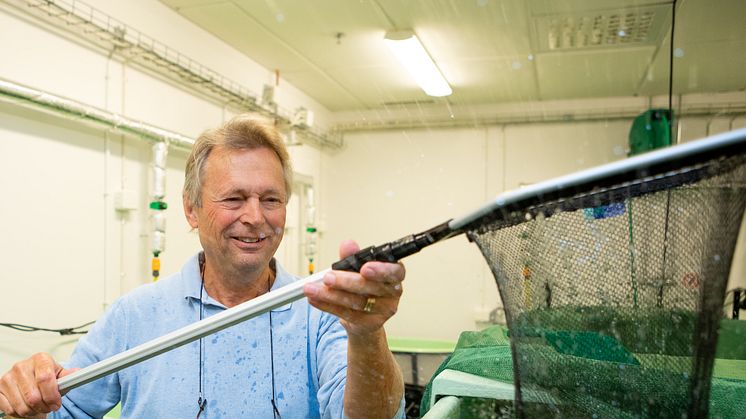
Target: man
column 324, row 356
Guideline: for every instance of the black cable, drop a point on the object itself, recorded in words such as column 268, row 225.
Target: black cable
column 63, row 332
column 275, row 410
column 670, row 70
column 659, row 301
column 201, row 401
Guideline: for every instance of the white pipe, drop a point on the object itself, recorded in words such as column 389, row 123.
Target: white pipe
column 160, row 153
column 37, row 99
column 158, row 192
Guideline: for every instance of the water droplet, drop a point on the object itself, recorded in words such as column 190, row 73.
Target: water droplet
column 482, row 3
column 516, row 65
column 678, row 52
column 280, row 17
column 622, row 33
column 530, row 57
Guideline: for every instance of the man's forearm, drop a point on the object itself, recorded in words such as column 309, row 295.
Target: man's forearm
column 374, row 381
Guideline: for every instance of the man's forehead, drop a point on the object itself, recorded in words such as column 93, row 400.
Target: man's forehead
column 221, row 162
column 222, row 151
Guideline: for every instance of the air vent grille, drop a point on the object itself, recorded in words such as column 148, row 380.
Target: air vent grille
column 605, row 28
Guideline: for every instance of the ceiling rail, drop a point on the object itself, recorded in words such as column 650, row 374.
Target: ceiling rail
column 106, row 32
column 486, row 121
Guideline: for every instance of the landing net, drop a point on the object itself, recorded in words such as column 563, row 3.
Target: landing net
column 613, row 297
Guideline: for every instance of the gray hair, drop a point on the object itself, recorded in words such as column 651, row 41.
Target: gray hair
column 240, row 133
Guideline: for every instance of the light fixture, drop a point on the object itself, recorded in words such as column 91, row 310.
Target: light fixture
column 412, row 55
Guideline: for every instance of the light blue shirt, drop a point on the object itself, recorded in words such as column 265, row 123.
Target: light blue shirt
column 309, row 350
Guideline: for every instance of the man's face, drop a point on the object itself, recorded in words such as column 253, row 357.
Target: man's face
column 242, row 218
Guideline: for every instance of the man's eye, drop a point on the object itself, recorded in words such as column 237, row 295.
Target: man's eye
column 273, row 200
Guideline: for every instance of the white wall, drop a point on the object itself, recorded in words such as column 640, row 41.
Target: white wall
column 66, row 251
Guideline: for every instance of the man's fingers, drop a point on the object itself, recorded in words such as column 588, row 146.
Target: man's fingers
column 348, row 305
column 32, row 396
column 344, row 313
column 389, row 273
column 47, row 371
column 4, row 403
column 353, row 283
column 17, row 405
column 347, row 248
column 341, row 298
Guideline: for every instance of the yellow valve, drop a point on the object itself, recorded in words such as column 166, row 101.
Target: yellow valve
column 156, row 267
column 310, row 268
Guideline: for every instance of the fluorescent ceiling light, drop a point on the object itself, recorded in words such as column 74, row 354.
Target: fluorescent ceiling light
column 412, row 55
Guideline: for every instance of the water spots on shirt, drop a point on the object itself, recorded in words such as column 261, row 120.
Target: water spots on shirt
column 240, row 361
column 212, row 407
column 280, row 396
column 296, row 354
column 254, row 344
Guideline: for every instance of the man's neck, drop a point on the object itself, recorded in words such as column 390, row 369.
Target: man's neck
column 233, row 288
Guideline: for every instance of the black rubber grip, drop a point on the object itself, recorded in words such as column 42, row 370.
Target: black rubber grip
column 393, row 251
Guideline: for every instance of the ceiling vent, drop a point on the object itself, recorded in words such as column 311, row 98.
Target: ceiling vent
column 602, row 28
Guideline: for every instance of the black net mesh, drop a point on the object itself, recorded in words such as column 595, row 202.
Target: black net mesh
column 613, row 298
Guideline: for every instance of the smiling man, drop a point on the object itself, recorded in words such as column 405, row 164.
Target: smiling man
column 324, row 356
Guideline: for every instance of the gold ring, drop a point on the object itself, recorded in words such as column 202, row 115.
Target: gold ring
column 369, row 303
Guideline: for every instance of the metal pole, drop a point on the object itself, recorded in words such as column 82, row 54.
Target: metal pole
column 190, row 333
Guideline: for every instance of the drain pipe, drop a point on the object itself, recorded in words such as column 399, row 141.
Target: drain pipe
column 158, row 205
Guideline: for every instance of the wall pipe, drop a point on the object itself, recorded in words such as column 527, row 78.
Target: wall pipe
column 488, row 121
column 70, row 109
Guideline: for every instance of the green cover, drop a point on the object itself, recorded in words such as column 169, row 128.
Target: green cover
column 650, row 130
column 590, row 380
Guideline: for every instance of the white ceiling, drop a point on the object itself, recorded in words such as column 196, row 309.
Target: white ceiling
column 491, row 51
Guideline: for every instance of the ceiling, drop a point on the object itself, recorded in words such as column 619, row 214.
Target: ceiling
column 490, row 51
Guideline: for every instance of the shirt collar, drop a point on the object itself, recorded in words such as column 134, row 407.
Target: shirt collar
column 192, row 282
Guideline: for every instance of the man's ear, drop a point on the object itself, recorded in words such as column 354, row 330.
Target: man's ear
column 189, row 212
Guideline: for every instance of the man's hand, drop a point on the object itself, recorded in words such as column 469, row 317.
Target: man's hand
column 363, row 301
column 29, row 389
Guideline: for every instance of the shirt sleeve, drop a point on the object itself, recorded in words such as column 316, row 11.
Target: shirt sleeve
column 332, row 368
column 331, row 361
column 104, row 340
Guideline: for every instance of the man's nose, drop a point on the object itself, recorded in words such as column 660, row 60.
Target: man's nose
column 251, row 212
